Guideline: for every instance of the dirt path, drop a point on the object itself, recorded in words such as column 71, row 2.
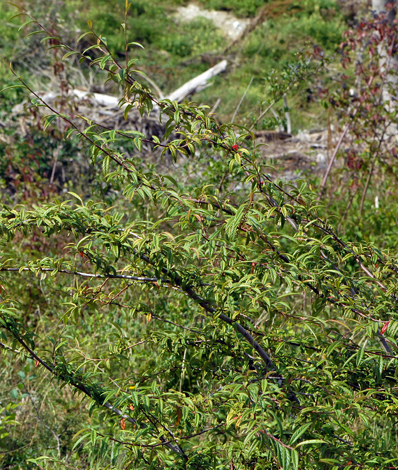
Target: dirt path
column 231, row 26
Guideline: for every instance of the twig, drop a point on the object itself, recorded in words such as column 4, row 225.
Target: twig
column 263, row 113
column 134, row 345
column 156, row 88
column 345, row 130
column 45, row 425
column 278, row 119
column 80, row 386
column 216, row 105
column 273, row 102
column 347, row 208
column 89, row 275
column 183, row 368
column 56, row 154
column 336, row 149
column 4, row 346
column 366, row 189
column 287, row 115
column 241, row 100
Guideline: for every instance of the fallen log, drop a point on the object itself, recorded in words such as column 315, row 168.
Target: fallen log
column 193, row 86
column 104, row 109
column 198, row 83
column 270, row 135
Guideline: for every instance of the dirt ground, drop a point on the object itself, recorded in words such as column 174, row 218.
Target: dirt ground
column 231, row 26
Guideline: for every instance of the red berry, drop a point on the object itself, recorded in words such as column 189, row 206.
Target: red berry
column 235, row 147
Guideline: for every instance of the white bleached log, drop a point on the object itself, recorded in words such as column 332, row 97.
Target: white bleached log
column 196, row 84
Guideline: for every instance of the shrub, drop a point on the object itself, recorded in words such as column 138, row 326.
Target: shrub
column 206, row 315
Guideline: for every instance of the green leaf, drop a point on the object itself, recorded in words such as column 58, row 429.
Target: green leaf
column 83, row 35
column 104, row 61
column 295, row 459
column 93, row 436
column 311, row 442
column 177, row 117
column 138, row 143
column 360, row 354
column 95, row 46
column 26, row 23
column 105, row 165
column 15, row 16
column 234, row 222
column 68, row 54
column 121, row 75
column 50, row 37
column 35, row 32
column 135, row 44
column 299, row 432
column 126, row 111
column 76, row 196
column 49, row 119
column 11, row 87
column 81, row 438
column 285, row 457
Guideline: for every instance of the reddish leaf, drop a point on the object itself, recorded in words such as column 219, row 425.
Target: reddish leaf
column 81, row 254
column 131, row 407
column 235, row 147
column 179, row 415
column 37, row 363
column 385, row 326
column 123, row 423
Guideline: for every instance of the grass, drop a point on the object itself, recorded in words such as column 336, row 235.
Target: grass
column 174, row 50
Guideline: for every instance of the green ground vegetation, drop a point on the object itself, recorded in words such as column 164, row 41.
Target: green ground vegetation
column 176, row 51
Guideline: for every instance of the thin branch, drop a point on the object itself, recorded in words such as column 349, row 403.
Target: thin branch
column 4, row 346
column 287, row 115
column 348, row 207
column 336, row 149
column 365, row 190
column 343, row 134
column 45, row 425
column 56, row 154
column 241, row 100
column 150, row 446
column 80, row 386
column 100, row 276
